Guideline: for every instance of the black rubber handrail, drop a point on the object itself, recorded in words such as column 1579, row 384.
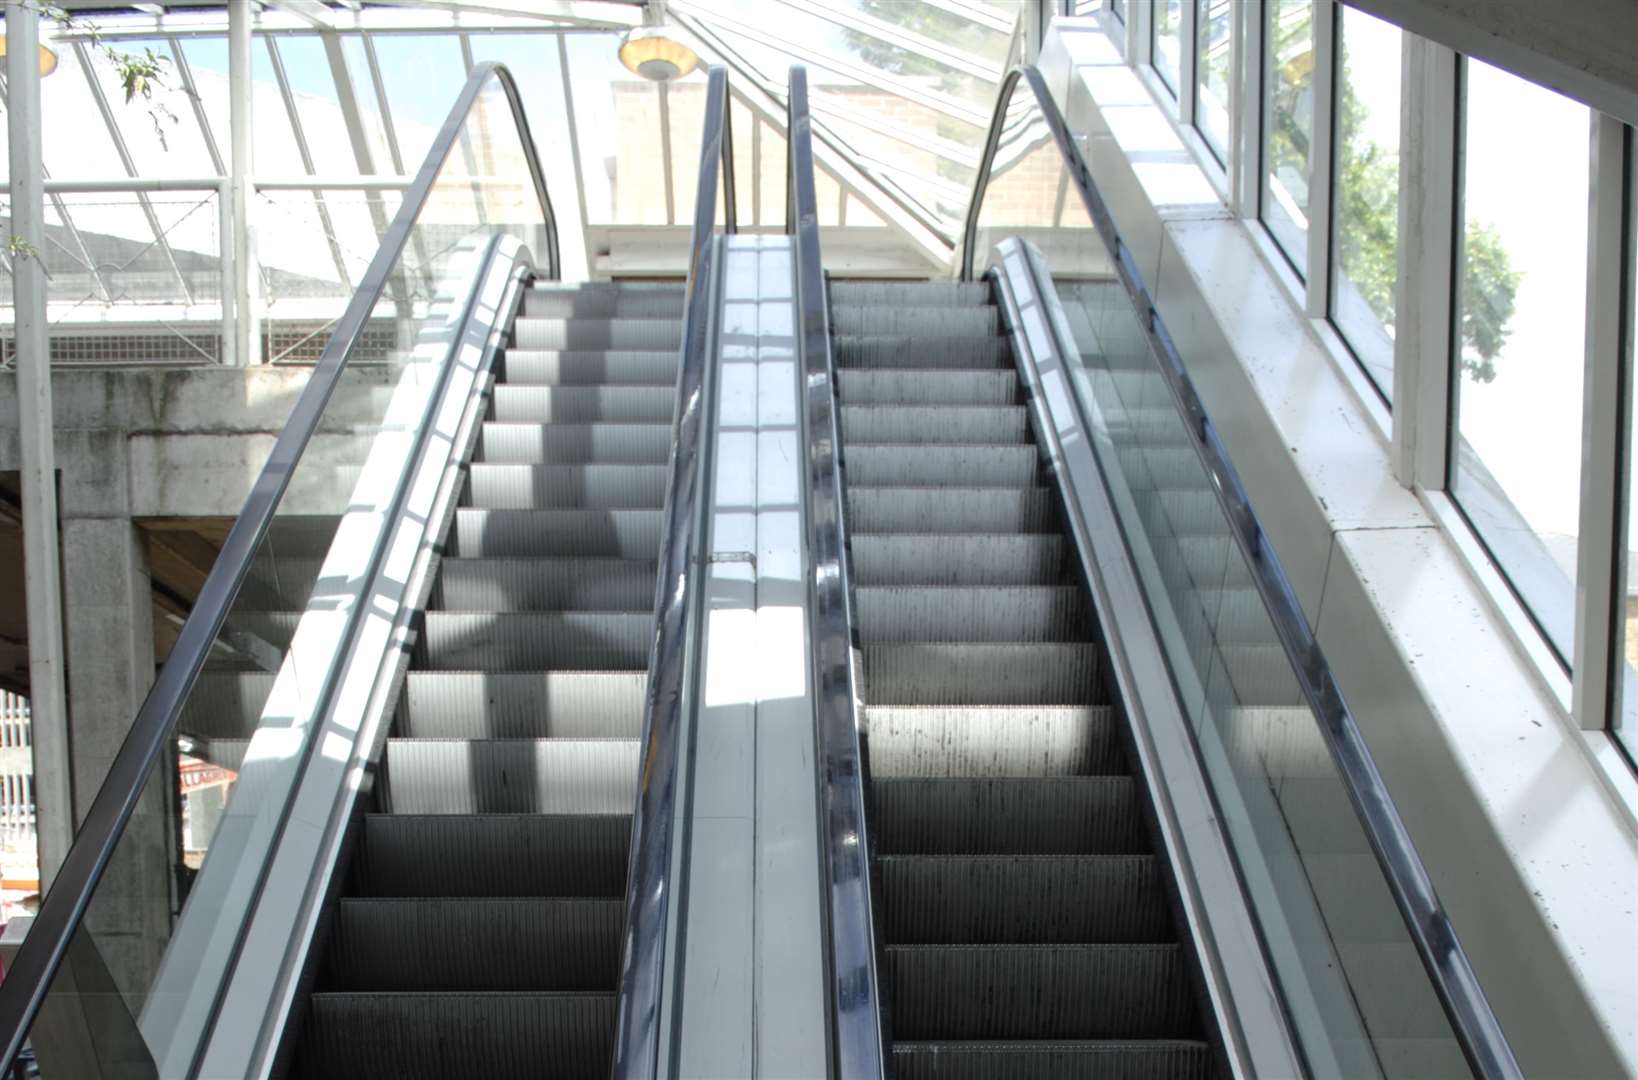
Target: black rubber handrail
column 672, row 673
column 858, row 1046
column 1463, row 999
column 31, row 973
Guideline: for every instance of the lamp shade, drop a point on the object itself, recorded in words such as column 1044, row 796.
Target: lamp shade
column 48, row 59
column 648, row 51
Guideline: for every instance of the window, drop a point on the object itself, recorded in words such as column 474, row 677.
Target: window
column 1168, row 43
column 1214, row 40
column 1520, row 337
column 1288, row 123
column 1366, row 245
column 1626, row 698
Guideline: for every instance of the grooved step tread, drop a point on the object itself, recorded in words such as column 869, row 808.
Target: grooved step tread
column 988, row 673
column 523, row 704
column 1103, row 1059
column 493, row 855
column 630, row 534
column 590, row 367
column 537, row 640
column 1081, row 815
column 992, row 740
column 956, row 509
column 512, row 776
column 971, row 613
column 547, row 583
column 494, row 486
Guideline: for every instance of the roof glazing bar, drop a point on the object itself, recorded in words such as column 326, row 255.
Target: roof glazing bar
column 665, row 152
column 283, row 81
column 83, row 55
column 947, row 149
column 185, row 73
column 899, row 35
column 381, row 103
column 977, row 13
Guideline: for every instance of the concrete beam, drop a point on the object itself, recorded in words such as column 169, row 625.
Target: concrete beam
column 1584, row 49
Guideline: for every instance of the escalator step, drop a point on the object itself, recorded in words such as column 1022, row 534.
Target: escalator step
column 591, row 487
column 626, row 534
column 560, row 583
column 493, row 855
column 475, row 944
column 992, row 740
column 1023, row 899
column 1158, row 1059
column 882, row 386
column 942, row 559
column 437, row 1036
column 909, row 293
column 1055, row 991
column 529, row 332
column 574, row 444
column 901, row 465
column 1039, row 673
column 583, row 303
column 590, row 367
column 958, row 510
column 512, row 776
column 1083, row 815
column 935, row 424
column 971, row 321
column 902, row 351
column 999, row 613
column 523, row 704
column 584, row 404
column 538, row 640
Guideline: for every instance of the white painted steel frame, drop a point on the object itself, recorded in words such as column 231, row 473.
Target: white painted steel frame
column 1426, row 346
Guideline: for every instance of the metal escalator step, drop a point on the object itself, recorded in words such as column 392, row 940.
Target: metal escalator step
column 598, row 487
column 909, row 293
column 1023, row 899
column 437, row 1036
column 619, row 333
column 903, row 351
column 948, row 320
column 970, row 613
column 900, row 465
column 992, row 740
column 664, row 303
column 1079, row 815
column 492, row 855
column 512, row 776
column 552, row 583
column 1104, row 1059
column 538, row 640
column 1038, row 673
column 935, row 424
column 1040, row 992
column 569, row 444
column 882, row 386
column 584, row 404
column 943, row 559
column 590, row 367
column 959, row 510
column 484, row 943
column 627, row 534
column 523, row 704
column 225, row 704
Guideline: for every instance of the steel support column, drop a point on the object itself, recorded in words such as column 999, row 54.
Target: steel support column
column 246, row 326
column 42, row 557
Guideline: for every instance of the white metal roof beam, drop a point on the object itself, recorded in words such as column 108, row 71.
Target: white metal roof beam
column 900, row 36
column 978, row 13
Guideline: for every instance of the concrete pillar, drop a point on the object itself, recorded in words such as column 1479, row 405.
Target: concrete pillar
column 110, row 640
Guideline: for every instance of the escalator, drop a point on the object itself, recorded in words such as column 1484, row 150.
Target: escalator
column 478, row 932
column 1024, row 921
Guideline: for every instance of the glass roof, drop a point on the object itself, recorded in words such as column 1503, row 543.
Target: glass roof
column 901, row 91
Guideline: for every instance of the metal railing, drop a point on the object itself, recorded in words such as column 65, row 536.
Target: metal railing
column 858, row 1049
column 673, row 666
column 32, row 973
column 1472, row 1020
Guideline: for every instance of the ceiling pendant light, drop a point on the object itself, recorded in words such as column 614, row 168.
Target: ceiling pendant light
column 48, row 58
column 651, row 51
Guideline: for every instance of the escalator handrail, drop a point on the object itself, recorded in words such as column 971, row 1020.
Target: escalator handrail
column 859, row 1051
column 677, row 605
column 1474, row 1022
column 35, row 966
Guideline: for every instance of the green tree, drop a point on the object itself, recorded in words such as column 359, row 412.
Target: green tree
column 1368, row 237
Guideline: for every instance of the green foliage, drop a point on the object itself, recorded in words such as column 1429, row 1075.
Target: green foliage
column 140, row 74
column 1489, row 288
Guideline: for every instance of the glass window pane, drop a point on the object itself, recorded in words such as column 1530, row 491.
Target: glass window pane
column 423, row 74
column 1168, row 42
column 1626, row 731
column 1215, row 41
column 1366, row 248
column 1522, row 290
column 375, row 126
column 1288, row 103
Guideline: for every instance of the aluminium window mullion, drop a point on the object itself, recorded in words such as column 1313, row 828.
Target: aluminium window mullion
column 1246, row 124
column 1188, row 62
column 1424, row 360
column 1321, row 160
column 1606, row 396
